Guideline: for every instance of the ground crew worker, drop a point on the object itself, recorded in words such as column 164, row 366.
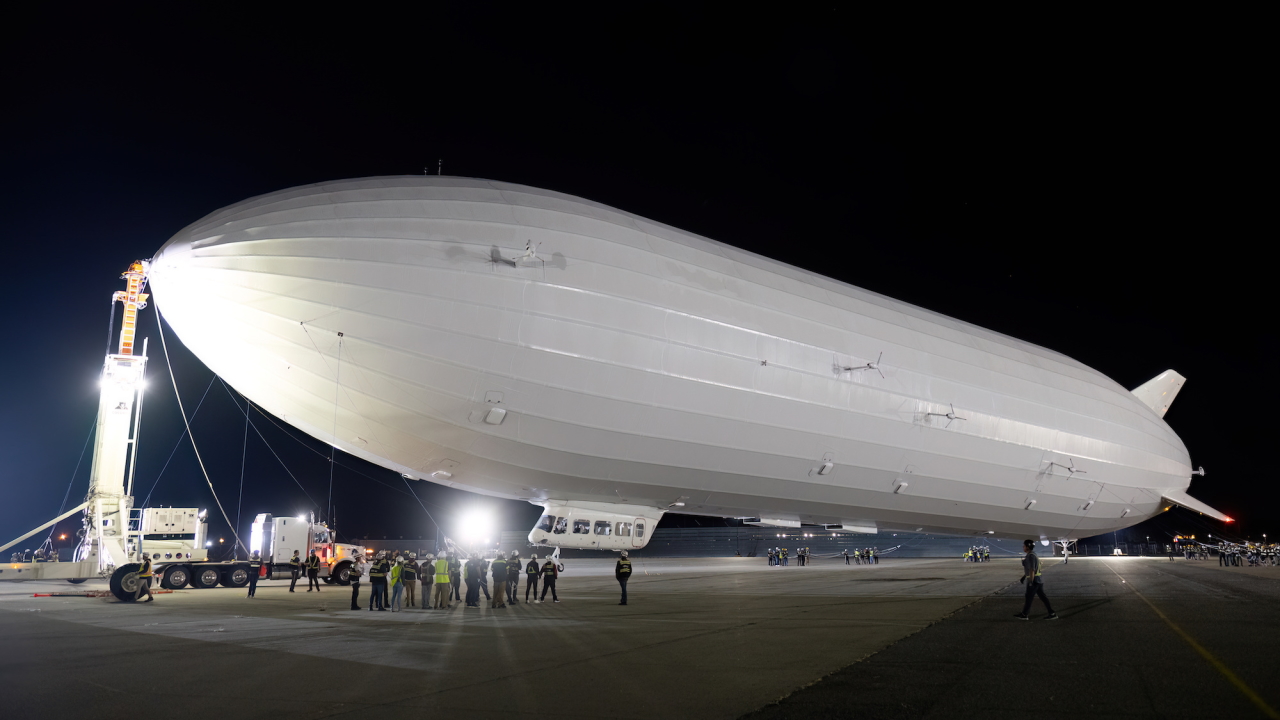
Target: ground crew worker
column 443, row 586
column 513, row 577
column 550, row 572
column 409, row 576
column 144, row 580
column 846, row 555
column 622, row 571
column 499, row 569
column 378, row 582
column 255, row 569
column 397, row 584
column 532, row 572
column 1035, row 585
column 313, row 571
column 455, row 577
column 427, row 577
column 358, row 569
column 472, row 570
column 295, row 569
column 484, row 579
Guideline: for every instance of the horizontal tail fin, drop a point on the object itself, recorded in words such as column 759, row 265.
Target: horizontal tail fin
column 1158, row 393
column 1180, row 497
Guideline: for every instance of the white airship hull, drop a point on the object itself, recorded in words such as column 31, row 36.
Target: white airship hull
column 630, row 363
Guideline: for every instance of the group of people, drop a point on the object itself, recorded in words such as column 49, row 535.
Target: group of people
column 40, row 555
column 870, row 556
column 977, row 553
column 1248, row 553
column 395, row 578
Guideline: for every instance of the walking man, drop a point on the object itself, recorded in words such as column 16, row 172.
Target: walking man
column 295, row 569
column 846, row 556
column 1035, row 584
column 622, row 571
column 313, row 571
column 532, row 572
column 255, row 569
column 144, row 580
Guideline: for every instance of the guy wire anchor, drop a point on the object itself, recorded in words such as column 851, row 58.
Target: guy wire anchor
column 950, row 416
column 850, row 368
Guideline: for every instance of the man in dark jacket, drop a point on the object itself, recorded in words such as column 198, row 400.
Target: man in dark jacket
column 499, row 569
column 532, row 572
column 295, row 570
column 472, row 571
column 550, row 573
column 455, row 576
column 255, row 569
column 622, row 571
column 513, row 577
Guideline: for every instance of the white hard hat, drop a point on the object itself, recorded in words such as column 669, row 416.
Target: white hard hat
column 413, row 555
column 624, row 553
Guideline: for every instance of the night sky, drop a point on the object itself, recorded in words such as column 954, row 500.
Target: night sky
column 1085, row 184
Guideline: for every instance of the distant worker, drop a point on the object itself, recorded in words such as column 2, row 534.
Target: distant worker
column 427, row 578
column 472, row 576
column 144, row 580
column 358, row 569
column 1035, row 584
column 499, row 569
column 378, row 571
column 550, row 573
column 484, row 577
column 846, row 555
column 255, row 569
column 622, row 572
column 397, row 584
column 513, row 577
column 295, row 569
column 409, row 576
column 532, row 572
column 442, row 584
column 313, row 571
column 455, row 576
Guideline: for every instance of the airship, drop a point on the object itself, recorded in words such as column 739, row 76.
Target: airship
column 526, row 344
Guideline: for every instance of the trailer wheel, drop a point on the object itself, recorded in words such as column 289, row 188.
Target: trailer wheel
column 124, row 582
column 235, row 577
column 175, row 577
column 341, row 574
column 205, row 577
column 76, row 581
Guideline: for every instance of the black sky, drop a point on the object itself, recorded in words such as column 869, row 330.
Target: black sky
column 1089, row 184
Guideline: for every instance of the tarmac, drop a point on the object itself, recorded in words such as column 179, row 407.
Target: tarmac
column 700, row 638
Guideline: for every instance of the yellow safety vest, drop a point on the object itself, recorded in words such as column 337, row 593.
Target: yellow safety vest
column 442, row 571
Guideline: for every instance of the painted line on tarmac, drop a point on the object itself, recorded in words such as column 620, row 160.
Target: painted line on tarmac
column 1204, row 653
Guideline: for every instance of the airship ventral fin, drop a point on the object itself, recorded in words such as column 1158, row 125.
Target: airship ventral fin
column 1158, row 393
column 1180, row 497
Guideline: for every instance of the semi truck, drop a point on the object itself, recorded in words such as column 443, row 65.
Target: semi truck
column 276, row 539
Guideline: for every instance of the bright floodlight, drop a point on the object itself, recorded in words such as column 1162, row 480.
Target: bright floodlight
column 474, row 526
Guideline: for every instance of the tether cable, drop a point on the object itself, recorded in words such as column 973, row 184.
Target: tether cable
column 176, row 394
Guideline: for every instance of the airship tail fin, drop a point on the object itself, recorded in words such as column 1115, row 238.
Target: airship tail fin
column 1180, row 497
column 1158, row 393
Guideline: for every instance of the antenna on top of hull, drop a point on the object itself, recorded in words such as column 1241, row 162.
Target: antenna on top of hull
column 839, row 369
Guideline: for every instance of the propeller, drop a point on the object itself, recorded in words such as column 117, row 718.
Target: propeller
column 851, row 368
column 950, row 416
